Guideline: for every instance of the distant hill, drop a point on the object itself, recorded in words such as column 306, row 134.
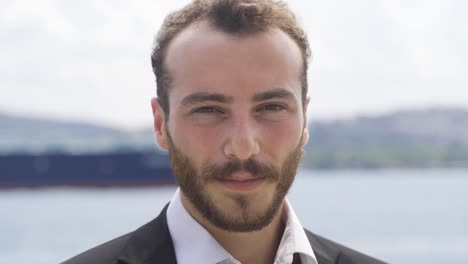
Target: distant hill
column 412, row 138
column 24, row 134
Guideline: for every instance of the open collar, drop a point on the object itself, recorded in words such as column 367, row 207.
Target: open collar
column 192, row 242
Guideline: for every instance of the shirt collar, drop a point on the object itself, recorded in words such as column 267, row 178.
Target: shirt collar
column 294, row 240
column 194, row 244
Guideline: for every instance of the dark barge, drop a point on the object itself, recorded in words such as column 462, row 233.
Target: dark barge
column 92, row 170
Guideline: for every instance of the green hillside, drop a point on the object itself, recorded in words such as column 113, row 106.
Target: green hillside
column 408, row 139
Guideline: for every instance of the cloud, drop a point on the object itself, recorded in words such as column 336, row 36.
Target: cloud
column 90, row 59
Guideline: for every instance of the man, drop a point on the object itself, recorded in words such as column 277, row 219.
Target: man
column 231, row 110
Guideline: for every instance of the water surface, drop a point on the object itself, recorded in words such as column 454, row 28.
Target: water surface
column 406, row 216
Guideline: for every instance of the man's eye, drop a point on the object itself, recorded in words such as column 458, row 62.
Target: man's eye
column 272, row 107
column 207, row 109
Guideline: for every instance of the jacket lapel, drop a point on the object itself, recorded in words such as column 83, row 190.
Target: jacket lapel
column 325, row 252
column 150, row 244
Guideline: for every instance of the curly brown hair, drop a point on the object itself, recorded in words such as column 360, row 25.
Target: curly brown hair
column 230, row 16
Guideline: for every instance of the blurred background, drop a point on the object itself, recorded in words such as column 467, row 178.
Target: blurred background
column 385, row 171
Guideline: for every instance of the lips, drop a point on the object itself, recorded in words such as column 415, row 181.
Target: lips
column 241, row 182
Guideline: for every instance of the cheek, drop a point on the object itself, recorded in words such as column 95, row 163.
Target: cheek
column 280, row 139
column 196, row 141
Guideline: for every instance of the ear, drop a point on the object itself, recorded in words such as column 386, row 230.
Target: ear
column 159, row 123
column 305, row 131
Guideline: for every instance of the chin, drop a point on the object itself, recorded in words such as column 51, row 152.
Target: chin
column 243, row 212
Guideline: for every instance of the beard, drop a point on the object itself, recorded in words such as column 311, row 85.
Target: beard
column 245, row 215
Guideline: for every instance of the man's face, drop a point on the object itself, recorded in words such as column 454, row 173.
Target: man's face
column 236, row 124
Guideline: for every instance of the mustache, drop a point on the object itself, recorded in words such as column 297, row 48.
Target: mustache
column 252, row 166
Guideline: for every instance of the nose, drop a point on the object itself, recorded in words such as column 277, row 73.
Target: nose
column 242, row 142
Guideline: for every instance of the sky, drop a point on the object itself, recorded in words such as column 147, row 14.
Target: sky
column 90, row 60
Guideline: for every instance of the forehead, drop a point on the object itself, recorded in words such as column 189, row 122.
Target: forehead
column 202, row 58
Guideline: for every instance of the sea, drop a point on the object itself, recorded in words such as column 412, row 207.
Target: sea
column 399, row 216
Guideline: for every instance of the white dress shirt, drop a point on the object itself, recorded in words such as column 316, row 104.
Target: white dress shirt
column 193, row 244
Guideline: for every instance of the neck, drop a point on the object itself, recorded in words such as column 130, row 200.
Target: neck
column 247, row 247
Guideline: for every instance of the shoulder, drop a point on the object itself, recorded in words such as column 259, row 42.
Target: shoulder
column 150, row 243
column 328, row 251
column 106, row 253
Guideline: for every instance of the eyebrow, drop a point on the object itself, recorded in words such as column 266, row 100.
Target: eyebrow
column 276, row 93
column 202, row 97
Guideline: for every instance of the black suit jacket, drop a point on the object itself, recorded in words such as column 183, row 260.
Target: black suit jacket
column 152, row 244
